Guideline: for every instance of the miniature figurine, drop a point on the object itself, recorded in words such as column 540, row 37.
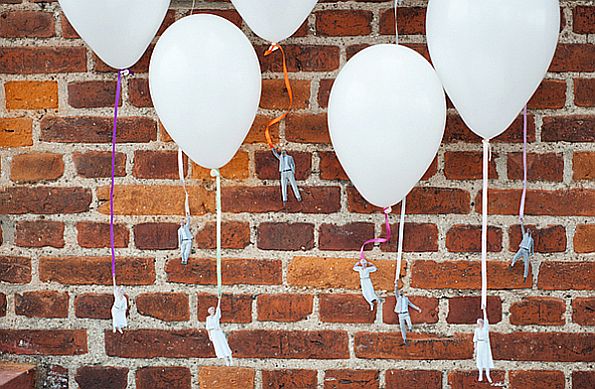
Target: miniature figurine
column 526, row 250
column 287, row 170
column 364, row 269
column 217, row 336
column 483, row 350
column 185, row 239
column 119, row 308
column 402, row 309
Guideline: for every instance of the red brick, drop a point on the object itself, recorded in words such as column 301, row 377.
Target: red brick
column 529, row 379
column 583, row 19
column 261, row 199
column 43, row 303
column 583, row 311
column 345, row 308
column 163, row 377
column 2, row 305
column 92, row 94
column 94, row 305
column 235, row 308
column 301, row 58
column 97, row 164
column 230, row 14
column 141, row 66
column 307, row 128
column 139, row 93
column 164, row 306
column 96, row 270
column 573, row 57
column 27, row 24
column 156, row 236
column 97, row 235
column 223, row 377
column 16, row 132
column 584, row 92
column 467, row 309
column 68, row 31
column 88, row 129
column 236, row 169
column 466, row 275
column 467, row 165
column 583, row 379
column 551, row 94
column 15, row 270
column 428, row 314
column 234, row 271
column 457, row 131
column 462, row 238
column 575, row 128
column 389, row 345
column 34, row 60
column 234, row 235
column 584, row 238
column 284, row 307
column 543, row 346
column 458, row 379
column 153, row 343
column 417, row 237
column 343, row 22
column 157, row 164
column 344, row 237
column 540, row 167
column 324, row 91
column 267, row 166
column 99, row 377
column 39, row 233
column 351, row 379
column 286, row 379
column 549, row 239
column 564, row 202
column 43, row 342
column 32, row 167
column 286, row 236
column 274, row 94
column 566, row 275
column 583, row 166
column 31, row 94
column 330, row 168
column 411, row 21
column 256, row 132
column 427, row 379
column 545, row 311
column 282, row 344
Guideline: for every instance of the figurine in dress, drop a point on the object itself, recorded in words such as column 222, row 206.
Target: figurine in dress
column 185, row 239
column 526, row 250
column 119, row 308
column 287, row 171
column 483, row 350
column 402, row 309
column 364, row 268
column 216, row 335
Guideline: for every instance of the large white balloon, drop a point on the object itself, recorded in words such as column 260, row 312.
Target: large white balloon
column 205, row 83
column 274, row 20
column 387, row 113
column 118, row 31
column 491, row 55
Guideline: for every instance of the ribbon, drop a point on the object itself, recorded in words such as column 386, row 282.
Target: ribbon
column 397, row 2
column 377, row 240
column 183, row 180
column 267, row 132
column 400, row 243
column 487, row 155
column 113, row 175
column 215, row 173
column 524, row 194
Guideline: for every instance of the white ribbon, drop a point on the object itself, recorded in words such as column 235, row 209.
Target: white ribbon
column 181, row 174
column 487, row 155
column 400, row 243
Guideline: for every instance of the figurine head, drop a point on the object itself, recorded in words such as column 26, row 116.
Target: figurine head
column 479, row 323
column 364, row 262
column 211, row 311
column 121, row 291
column 182, row 222
column 400, row 293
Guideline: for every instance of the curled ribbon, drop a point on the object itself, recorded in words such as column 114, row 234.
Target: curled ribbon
column 215, row 173
column 267, row 132
column 377, row 240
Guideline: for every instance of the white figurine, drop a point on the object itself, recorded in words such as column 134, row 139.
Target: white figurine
column 402, row 309
column 364, row 269
column 185, row 239
column 287, row 172
column 217, row 336
column 483, row 350
column 526, row 250
column 119, row 308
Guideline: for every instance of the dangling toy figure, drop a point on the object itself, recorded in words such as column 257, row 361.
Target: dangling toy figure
column 119, row 308
column 287, row 170
column 483, row 350
column 185, row 239
column 216, row 335
column 364, row 268
column 402, row 309
column 526, row 250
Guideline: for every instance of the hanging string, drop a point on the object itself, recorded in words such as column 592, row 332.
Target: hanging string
column 113, row 175
column 215, row 173
column 267, row 132
column 524, row 194
column 192, row 9
column 378, row 240
column 400, row 243
column 397, row 3
column 487, row 155
column 183, row 180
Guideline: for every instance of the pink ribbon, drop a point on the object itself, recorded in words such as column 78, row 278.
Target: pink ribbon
column 377, row 240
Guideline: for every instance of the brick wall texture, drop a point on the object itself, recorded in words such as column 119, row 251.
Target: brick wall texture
column 292, row 307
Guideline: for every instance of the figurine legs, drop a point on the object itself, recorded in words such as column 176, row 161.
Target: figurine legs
column 526, row 260
column 296, row 190
column 284, row 179
column 228, row 361
column 404, row 323
column 488, row 376
column 289, row 178
column 516, row 257
column 186, row 248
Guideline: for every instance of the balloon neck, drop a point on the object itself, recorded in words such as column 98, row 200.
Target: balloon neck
column 273, row 47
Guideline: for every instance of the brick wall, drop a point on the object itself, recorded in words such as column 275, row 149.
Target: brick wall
column 292, row 307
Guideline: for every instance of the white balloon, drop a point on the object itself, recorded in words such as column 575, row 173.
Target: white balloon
column 491, row 55
column 118, row 31
column 274, row 20
column 205, row 83
column 387, row 113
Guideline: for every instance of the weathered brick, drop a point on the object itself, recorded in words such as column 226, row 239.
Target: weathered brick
column 563, row 202
column 234, row 235
column 91, row 129
column 284, row 307
column 31, row 94
column 298, row 378
column 529, row 379
column 584, row 92
column 98, row 377
column 583, row 379
column 583, row 19
column 410, row 20
column 163, row 377
column 43, row 303
column 256, row 133
column 267, row 166
column 164, row 306
column 344, row 237
column 345, row 308
column 153, row 343
column 235, row 308
column 139, row 93
column 301, row 58
column 389, row 345
column 549, row 239
column 573, row 57
column 583, row 311
column 583, row 166
column 92, row 94
column 540, row 167
column 34, row 60
column 236, row 169
column 2, row 305
column 230, row 14
column 223, row 377
column 93, row 305
column 428, row 314
column 274, row 94
column 285, row 236
column 324, row 91
column 457, row 131
column 156, row 236
column 16, row 132
column 96, row 235
column 39, row 233
column 330, row 168
column 27, row 24
column 584, row 238
column 32, row 167
column 343, row 22
column 157, row 164
column 234, row 271
column 545, row 311
column 543, row 346
column 463, row 238
column 351, row 379
column 467, row 309
column 97, row 164
column 15, row 270
column 18, row 200
column 551, row 94
column 417, row 237
column 575, row 128
column 566, row 275
column 467, row 165
column 459, row 379
column 307, row 128
column 427, row 379
column 43, row 342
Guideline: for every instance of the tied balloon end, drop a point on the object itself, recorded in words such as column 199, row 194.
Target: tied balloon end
column 272, row 48
column 387, row 210
column 215, row 173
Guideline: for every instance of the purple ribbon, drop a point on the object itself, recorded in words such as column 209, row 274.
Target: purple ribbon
column 524, row 194
column 111, row 191
column 377, row 240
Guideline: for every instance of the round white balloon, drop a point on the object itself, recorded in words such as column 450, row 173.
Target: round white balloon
column 274, row 20
column 491, row 55
column 387, row 113
column 205, row 83
column 118, row 31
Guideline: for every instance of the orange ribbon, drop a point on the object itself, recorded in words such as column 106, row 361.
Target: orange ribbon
column 276, row 120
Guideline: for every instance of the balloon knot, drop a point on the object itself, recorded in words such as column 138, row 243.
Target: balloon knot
column 387, row 210
column 214, row 172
